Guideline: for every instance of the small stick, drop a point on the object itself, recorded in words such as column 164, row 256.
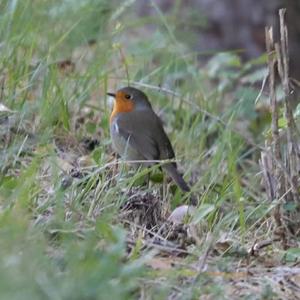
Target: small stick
column 274, row 125
column 124, row 61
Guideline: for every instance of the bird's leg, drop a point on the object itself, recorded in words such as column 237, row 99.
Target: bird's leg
column 163, row 186
column 148, row 176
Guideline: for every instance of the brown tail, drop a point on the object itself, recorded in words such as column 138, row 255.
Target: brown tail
column 173, row 172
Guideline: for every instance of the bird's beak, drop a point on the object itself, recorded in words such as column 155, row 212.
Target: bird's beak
column 111, row 94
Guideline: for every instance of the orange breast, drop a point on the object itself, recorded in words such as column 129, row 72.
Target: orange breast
column 121, row 105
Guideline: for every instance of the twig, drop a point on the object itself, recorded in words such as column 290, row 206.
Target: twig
column 253, row 251
column 274, row 125
column 124, row 61
column 262, row 88
column 283, row 70
column 280, row 162
column 203, row 259
column 173, row 249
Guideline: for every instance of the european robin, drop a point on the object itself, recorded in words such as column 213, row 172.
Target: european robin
column 137, row 132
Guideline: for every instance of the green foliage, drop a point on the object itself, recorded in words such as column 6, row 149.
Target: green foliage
column 60, row 233
column 93, row 268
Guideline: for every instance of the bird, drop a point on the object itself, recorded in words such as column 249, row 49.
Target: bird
column 137, row 133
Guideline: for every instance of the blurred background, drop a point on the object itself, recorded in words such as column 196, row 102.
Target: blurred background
column 231, row 25
column 202, row 63
column 203, row 26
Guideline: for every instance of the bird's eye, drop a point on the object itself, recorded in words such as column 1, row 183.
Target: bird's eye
column 127, row 96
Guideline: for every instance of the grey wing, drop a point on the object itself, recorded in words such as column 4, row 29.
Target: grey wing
column 141, row 137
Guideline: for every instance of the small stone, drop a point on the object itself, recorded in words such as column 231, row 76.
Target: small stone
column 179, row 213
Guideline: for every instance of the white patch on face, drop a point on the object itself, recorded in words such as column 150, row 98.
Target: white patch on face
column 116, row 127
